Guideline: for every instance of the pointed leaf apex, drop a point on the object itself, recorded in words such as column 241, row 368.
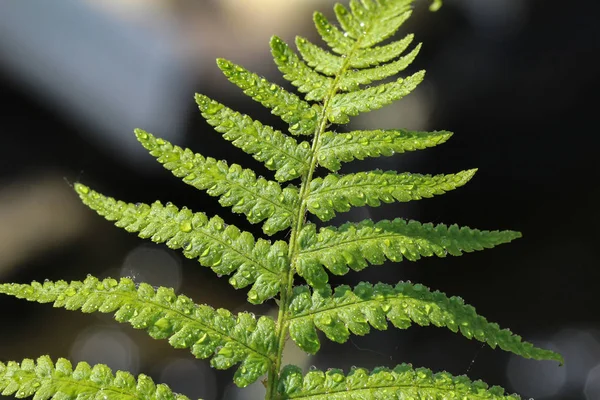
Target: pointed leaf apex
column 81, row 189
column 140, row 133
column 470, row 173
column 435, row 5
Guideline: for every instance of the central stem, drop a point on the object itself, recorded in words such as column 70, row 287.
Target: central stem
column 299, row 222
column 293, row 249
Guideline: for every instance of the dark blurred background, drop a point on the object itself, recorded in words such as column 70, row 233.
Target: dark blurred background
column 516, row 80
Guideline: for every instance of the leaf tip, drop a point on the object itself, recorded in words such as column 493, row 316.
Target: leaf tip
column 81, row 189
column 141, row 134
column 435, row 5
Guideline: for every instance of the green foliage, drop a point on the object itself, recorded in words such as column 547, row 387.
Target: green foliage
column 207, row 332
column 355, row 245
column 337, row 148
column 335, row 87
column 45, row 380
column 257, row 198
column 347, row 310
column 402, row 382
column 224, row 249
column 339, row 193
column 278, row 151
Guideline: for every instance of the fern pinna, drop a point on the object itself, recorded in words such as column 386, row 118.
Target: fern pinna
column 334, row 83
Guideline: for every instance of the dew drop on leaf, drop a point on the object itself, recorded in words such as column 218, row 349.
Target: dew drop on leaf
column 185, row 226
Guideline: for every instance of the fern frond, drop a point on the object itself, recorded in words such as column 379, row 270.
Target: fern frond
column 391, row 15
column 380, row 54
column 401, row 383
column 356, row 245
column 321, row 60
column 315, row 85
column 352, row 79
column 257, row 198
column 341, row 192
column 366, row 25
column 208, row 333
column 348, row 310
column 345, row 147
column 330, row 64
column 301, row 116
column 340, row 43
column 348, row 21
column 45, row 380
column 224, row 249
column 345, row 105
column 279, row 152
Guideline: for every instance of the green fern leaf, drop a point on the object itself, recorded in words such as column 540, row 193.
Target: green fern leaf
column 368, row 24
column 258, row 199
column 352, row 79
column 345, row 105
column 45, row 380
column 340, row 43
column 279, row 152
column 348, row 311
column 339, row 193
column 207, row 332
column 301, row 116
column 347, row 21
column 400, row 383
column 383, row 21
column 330, row 64
column 345, row 147
column 222, row 248
column 319, row 59
column 380, row 54
column 315, row 85
column 357, row 245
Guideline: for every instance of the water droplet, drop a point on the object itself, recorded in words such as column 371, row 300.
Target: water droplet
column 185, row 226
column 212, row 109
column 252, row 295
column 203, row 338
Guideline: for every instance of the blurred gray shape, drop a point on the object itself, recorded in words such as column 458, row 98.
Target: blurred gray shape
column 153, row 265
column 194, row 378
column 533, row 378
column 38, row 213
column 496, row 17
column 592, row 384
column 108, row 74
column 104, row 345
